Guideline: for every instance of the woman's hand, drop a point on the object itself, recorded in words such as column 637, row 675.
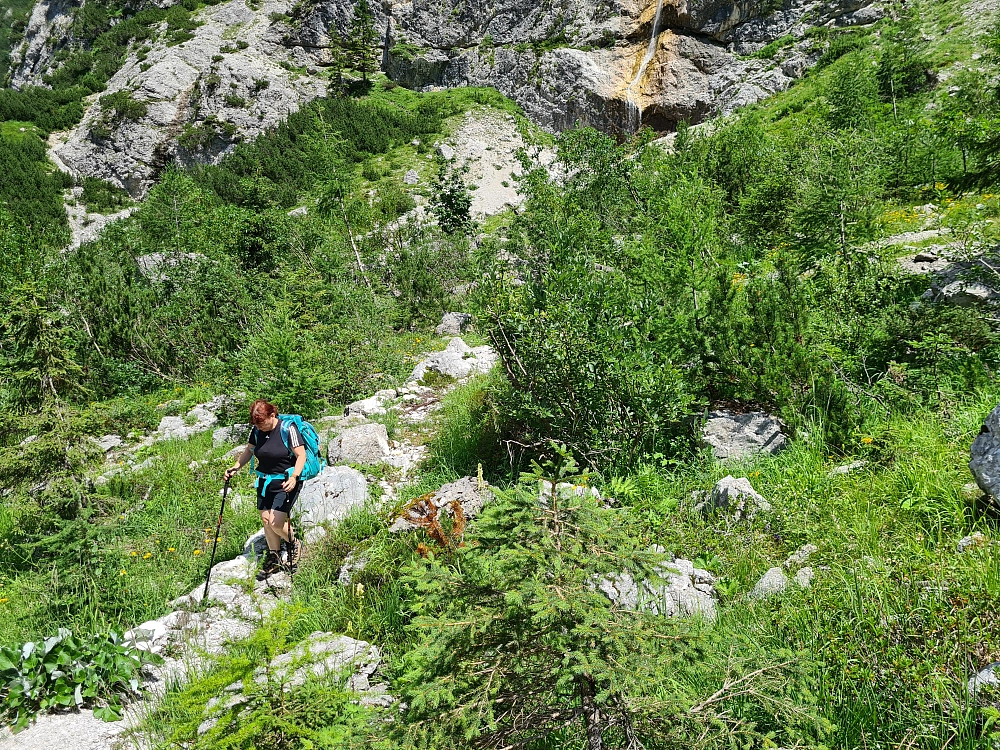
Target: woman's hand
column 231, row 472
column 289, row 484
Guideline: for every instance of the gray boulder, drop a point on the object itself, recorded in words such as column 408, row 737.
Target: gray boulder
column 331, row 495
column 975, row 540
column 735, row 436
column 237, row 433
column 988, row 677
column 774, row 581
column 985, row 463
column 458, row 361
column 453, row 324
column 737, row 495
column 800, row 556
column 108, row 442
column 366, row 444
column 683, row 591
column 412, row 177
column 467, row 491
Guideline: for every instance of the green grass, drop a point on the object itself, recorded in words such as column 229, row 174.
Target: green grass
column 148, row 547
column 890, row 631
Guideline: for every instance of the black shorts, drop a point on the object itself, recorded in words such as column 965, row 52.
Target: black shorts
column 277, row 499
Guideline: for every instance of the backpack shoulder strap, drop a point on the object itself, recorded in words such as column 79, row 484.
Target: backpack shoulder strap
column 285, row 436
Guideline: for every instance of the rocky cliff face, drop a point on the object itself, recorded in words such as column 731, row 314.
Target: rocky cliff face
column 196, row 99
column 47, row 32
column 611, row 64
column 595, row 63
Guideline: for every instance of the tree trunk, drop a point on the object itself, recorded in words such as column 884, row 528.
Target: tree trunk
column 591, row 714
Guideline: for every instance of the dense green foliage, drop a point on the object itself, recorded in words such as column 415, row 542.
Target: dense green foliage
column 747, row 266
column 741, row 267
column 66, row 671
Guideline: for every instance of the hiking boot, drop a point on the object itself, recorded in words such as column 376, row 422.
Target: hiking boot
column 294, row 555
column 272, row 564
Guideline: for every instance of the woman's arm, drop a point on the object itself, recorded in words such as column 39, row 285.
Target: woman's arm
column 300, row 463
column 241, row 462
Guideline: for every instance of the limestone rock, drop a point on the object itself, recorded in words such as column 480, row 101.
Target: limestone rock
column 331, row 495
column 150, row 636
column 975, row 540
column 453, row 324
column 800, row 556
column 988, row 677
column 377, row 404
column 188, row 90
column 366, row 444
column 327, row 654
column 352, row 564
column 156, row 266
column 804, row 578
column 774, row 581
column 47, row 32
column 839, row 471
column 458, row 361
column 237, row 433
column 985, row 463
column 685, row 591
column 412, row 177
column 737, row 495
column 466, row 491
column 108, row 442
column 735, row 436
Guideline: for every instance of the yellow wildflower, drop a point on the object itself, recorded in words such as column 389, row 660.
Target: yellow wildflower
column 147, row 556
column 197, row 551
column 3, row 599
column 123, row 572
column 171, row 549
column 134, row 553
column 867, row 440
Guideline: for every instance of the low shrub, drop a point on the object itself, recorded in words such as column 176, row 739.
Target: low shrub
column 67, row 671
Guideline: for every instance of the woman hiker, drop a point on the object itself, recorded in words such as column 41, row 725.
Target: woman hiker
column 278, row 470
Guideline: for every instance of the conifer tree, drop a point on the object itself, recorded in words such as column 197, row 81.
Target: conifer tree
column 364, row 39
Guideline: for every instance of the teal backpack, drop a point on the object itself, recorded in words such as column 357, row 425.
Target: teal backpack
column 314, row 460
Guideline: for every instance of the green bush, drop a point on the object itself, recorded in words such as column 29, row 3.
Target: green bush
column 66, row 671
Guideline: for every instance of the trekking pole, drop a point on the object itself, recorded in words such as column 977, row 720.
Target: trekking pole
column 218, row 530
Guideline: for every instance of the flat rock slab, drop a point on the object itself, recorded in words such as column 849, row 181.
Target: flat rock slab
column 458, row 361
column 65, row 731
column 735, row 436
column 331, row 495
column 366, row 444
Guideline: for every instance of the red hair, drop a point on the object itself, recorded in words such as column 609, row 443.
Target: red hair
column 262, row 408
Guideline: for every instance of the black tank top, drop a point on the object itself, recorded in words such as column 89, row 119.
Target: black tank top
column 273, row 457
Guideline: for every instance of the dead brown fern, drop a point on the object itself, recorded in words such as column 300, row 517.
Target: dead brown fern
column 424, row 514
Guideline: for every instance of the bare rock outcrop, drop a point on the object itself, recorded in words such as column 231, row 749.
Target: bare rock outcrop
column 195, row 99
